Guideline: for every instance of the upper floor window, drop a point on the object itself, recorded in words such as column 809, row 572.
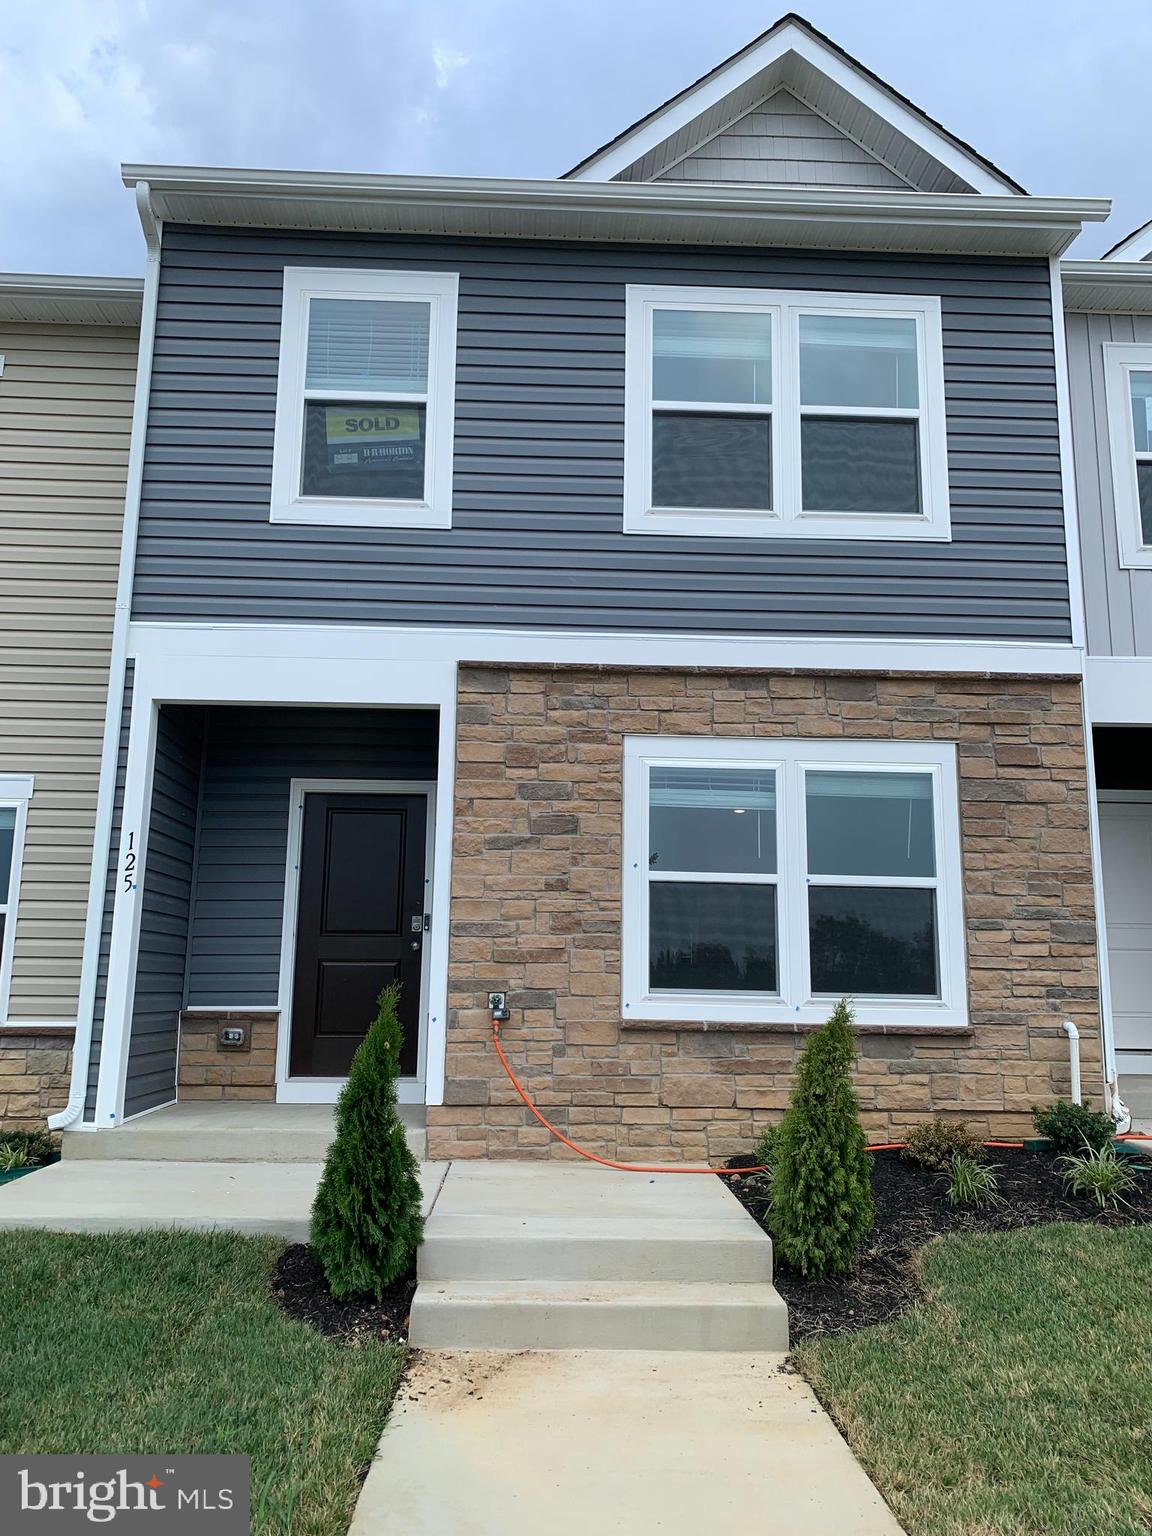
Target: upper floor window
column 754, row 413
column 1129, row 391
column 364, row 406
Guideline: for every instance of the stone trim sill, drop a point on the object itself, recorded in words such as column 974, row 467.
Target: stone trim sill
column 752, row 1027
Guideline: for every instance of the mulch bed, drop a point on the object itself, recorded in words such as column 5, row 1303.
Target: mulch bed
column 910, row 1211
column 300, row 1289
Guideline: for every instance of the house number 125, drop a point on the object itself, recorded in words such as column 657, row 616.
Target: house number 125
column 130, row 862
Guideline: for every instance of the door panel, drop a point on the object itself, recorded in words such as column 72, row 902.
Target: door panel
column 1126, row 857
column 359, row 926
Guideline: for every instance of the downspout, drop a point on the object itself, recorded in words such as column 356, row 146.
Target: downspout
column 1078, row 614
column 1073, row 1059
column 117, row 669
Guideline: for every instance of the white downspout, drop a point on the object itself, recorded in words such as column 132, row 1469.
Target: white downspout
column 1074, row 1058
column 117, row 668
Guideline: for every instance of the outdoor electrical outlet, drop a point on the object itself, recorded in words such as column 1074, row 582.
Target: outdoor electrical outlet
column 233, row 1037
column 498, row 1005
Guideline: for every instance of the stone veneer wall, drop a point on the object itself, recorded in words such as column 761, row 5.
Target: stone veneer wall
column 536, row 911
column 34, row 1076
column 208, row 1072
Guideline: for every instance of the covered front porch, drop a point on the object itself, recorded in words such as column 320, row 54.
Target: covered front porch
column 279, row 851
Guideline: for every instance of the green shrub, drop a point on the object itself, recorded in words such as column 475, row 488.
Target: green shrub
column 972, row 1183
column 367, row 1220
column 1102, row 1174
column 821, row 1193
column 1072, row 1127
column 765, row 1149
column 25, row 1149
column 936, row 1142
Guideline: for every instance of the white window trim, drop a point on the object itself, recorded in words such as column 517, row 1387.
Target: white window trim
column 795, row 1004
column 1120, row 360
column 787, row 518
column 301, row 285
column 15, row 793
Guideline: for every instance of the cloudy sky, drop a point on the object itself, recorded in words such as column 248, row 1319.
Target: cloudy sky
column 1053, row 91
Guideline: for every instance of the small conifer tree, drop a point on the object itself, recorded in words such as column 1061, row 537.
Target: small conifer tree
column 367, row 1218
column 821, row 1190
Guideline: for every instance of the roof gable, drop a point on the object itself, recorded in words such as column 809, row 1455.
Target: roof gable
column 794, row 57
column 1134, row 247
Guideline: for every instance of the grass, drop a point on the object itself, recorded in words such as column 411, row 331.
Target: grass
column 150, row 1342
column 1016, row 1400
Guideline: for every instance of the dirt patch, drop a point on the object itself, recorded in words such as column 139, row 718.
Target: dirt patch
column 910, row 1211
column 454, row 1378
column 300, row 1289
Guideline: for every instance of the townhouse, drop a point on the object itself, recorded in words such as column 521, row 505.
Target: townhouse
column 652, row 595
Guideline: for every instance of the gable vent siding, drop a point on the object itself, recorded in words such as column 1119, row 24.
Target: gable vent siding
column 537, row 535
column 784, row 141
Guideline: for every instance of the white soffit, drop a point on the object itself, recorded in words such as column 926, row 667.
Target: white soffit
column 1107, row 287
column 27, row 298
column 792, row 55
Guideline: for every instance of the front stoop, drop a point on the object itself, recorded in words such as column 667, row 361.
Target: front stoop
column 555, row 1256
column 225, row 1131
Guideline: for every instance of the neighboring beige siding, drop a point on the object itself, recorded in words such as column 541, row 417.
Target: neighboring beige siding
column 65, row 420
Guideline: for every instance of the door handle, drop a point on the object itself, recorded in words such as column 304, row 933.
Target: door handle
column 415, row 943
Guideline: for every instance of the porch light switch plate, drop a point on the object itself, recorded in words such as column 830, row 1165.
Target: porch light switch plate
column 233, row 1037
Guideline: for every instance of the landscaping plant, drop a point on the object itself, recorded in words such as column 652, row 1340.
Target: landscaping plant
column 935, row 1143
column 972, row 1183
column 1072, row 1127
column 821, row 1191
column 367, row 1220
column 25, row 1149
column 1102, row 1174
column 765, row 1149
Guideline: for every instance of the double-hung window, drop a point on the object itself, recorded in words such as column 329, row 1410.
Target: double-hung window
column 1128, row 383
column 753, row 412
column 15, row 792
column 765, row 879
column 364, row 406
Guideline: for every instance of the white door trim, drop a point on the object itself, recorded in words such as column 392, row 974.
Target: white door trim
column 325, row 1090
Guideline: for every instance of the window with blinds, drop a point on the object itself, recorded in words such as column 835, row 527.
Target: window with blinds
column 364, row 412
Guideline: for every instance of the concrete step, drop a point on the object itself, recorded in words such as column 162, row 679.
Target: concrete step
column 225, row 1131
column 565, row 1247
column 535, row 1314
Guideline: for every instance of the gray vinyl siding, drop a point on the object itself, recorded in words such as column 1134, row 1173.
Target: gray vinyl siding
column 111, row 856
column 537, row 536
column 165, row 905
column 1118, row 602
column 783, row 141
column 250, row 757
column 65, row 421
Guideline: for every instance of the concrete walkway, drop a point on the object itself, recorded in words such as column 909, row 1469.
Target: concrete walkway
column 571, row 1442
column 95, row 1196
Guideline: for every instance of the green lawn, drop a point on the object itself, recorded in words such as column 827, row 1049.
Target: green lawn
column 1017, row 1401
column 154, row 1342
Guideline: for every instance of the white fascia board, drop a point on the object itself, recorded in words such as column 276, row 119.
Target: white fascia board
column 418, row 647
column 792, row 39
column 694, row 213
column 1107, row 286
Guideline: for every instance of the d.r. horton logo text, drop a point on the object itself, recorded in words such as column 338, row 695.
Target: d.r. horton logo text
column 104, row 1500
column 152, row 1496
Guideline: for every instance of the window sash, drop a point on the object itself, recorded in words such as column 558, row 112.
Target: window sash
column 786, row 413
column 795, row 996
column 1121, row 361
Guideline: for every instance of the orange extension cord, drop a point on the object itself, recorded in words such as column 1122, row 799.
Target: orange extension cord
column 731, row 1173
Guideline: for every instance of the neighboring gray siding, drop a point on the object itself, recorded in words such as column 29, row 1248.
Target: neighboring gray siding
column 1118, row 602
column 112, row 856
column 250, row 757
column 165, row 904
column 537, row 537
column 783, row 141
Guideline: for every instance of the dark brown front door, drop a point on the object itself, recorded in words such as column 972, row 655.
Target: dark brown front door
column 359, row 926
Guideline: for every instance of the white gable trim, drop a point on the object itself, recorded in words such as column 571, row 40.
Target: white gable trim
column 790, row 38
column 1134, row 247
